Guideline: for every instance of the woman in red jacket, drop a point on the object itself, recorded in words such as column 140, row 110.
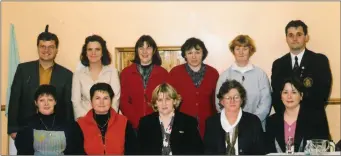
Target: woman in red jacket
column 105, row 131
column 195, row 82
column 139, row 80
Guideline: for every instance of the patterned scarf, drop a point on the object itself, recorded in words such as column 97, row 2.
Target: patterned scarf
column 145, row 73
column 197, row 77
column 166, row 149
column 230, row 146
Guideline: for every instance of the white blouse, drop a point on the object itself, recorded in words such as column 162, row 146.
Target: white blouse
column 82, row 82
column 230, row 128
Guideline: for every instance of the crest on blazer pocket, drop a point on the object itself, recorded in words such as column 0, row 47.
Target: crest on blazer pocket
column 308, row 82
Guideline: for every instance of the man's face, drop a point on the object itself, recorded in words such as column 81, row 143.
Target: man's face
column 47, row 50
column 296, row 38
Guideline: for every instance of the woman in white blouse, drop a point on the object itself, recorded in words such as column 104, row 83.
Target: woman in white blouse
column 96, row 58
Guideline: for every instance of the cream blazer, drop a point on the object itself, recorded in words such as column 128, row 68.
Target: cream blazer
column 81, row 84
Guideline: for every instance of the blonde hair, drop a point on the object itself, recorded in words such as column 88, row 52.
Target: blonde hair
column 245, row 41
column 166, row 89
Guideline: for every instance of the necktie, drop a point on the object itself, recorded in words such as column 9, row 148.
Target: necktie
column 296, row 63
column 296, row 67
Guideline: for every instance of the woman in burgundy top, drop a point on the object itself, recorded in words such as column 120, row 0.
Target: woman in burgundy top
column 139, row 80
column 195, row 82
column 297, row 122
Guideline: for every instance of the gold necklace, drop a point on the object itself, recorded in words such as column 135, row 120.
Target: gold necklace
column 104, row 124
column 101, row 127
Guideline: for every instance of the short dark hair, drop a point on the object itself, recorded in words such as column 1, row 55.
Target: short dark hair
column 102, row 87
column 294, row 81
column 106, row 56
column 296, row 24
column 156, row 59
column 232, row 84
column 47, row 36
column 194, row 43
column 46, row 89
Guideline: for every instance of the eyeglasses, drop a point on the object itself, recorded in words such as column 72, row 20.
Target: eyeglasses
column 235, row 98
column 42, row 47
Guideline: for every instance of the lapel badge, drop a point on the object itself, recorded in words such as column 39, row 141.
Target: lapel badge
column 302, row 69
column 181, row 132
column 308, row 82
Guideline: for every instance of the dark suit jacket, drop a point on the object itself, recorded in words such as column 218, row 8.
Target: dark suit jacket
column 25, row 83
column 309, row 125
column 184, row 138
column 314, row 66
column 250, row 136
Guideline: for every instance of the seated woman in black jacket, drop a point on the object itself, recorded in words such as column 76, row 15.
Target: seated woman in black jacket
column 168, row 131
column 44, row 133
column 296, row 122
column 233, row 131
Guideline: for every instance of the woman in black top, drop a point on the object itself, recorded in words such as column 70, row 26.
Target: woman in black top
column 297, row 121
column 46, row 134
column 168, row 131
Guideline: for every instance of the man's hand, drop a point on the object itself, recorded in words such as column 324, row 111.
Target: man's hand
column 13, row 135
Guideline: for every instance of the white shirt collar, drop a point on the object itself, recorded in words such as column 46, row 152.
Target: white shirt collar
column 299, row 56
column 248, row 67
column 225, row 123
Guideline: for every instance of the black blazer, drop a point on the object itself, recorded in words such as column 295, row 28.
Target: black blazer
column 309, row 125
column 25, row 83
column 184, row 138
column 250, row 136
column 315, row 68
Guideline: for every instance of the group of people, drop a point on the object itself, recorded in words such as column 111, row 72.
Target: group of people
column 190, row 110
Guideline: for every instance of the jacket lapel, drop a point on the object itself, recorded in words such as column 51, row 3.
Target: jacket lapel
column 34, row 78
column 221, row 139
column 242, row 140
column 288, row 65
column 155, row 124
column 54, row 75
column 188, row 78
column 299, row 131
column 305, row 59
column 280, row 132
column 218, row 136
column 176, row 124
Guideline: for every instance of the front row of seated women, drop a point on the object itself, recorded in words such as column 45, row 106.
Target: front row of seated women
column 168, row 131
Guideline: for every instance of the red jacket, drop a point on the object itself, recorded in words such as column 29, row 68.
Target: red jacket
column 134, row 101
column 114, row 137
column 197, row 102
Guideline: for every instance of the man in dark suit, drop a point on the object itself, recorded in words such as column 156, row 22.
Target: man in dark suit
column 30, row 75
column 312, row 68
